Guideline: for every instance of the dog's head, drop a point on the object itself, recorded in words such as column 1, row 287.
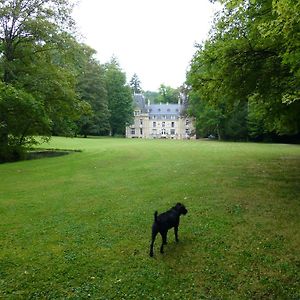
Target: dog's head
column 181, row 208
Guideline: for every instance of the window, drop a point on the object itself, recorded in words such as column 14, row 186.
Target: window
column 163, row 131
column 132, row 131
column 154, row 124
column 141, row 121
column 172, row 124
column 141, row 131
column 163, row 124
column 172, row 131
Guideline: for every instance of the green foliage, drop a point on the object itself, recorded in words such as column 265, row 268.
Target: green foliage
column 135, row 84
column 91, row 88
column 37, row 24
column 236, row 123
column 119, row 98
column 152, row 96
column 22, row 117
column 209, row 118
column 38, row 82
column 167, row 94
column 79, row 226
column 51, row 84
column 252, row 56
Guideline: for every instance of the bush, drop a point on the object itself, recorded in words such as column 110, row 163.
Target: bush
column 12, row 153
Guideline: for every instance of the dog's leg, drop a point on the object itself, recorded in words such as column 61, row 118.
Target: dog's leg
column 176, row 233
column 164, row 241
column 154, row 233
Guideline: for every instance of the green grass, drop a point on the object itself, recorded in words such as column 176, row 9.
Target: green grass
column 78, row 226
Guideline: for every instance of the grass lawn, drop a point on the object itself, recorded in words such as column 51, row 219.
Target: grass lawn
column 79, row 226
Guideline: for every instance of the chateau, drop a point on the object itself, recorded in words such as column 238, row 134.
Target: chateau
column 153, row 121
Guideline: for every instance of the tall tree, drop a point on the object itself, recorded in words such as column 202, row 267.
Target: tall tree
column 249, row 62
column 168, row 94
column 33, row 42
column 37, row 23
column 119, row 98
column 135, row 84
column 91, row 88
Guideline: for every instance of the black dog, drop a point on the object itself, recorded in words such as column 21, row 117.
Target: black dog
column 164, row 222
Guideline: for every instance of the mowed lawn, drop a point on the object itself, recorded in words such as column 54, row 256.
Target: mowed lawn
column 79, row 226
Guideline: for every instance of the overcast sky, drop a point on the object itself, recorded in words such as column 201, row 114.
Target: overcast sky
column 152, row 38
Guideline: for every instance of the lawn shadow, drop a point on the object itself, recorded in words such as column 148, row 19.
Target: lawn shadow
column 48, row 153
column 174, row 250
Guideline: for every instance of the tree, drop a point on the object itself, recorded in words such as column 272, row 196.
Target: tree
column 37, row 23
column 91, row 88
column 21, row 116
column 119, row 98
column 152, row 96
column 135, row 84
column 167, row 94
column 250, row 58
column 209, row 118
column 34, row 65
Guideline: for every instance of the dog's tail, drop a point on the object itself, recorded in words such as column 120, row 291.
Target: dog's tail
column 155, row 216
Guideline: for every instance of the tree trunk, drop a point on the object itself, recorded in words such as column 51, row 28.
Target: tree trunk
column 218, row 132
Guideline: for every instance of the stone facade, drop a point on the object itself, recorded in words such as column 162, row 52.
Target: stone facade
column 160, row 121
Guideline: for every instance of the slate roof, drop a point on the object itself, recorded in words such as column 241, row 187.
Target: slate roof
column 157, row 110
column 164, row 109
column 139, row 101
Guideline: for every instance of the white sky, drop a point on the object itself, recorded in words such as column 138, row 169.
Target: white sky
column 152, row 38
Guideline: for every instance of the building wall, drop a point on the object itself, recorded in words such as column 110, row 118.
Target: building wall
column 146, row 127
column 159, row 121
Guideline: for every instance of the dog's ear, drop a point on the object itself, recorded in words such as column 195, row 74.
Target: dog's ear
column 178, row 206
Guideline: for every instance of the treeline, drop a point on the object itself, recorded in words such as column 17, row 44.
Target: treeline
column 165, row 93
column 51, row 84
column 244, row 81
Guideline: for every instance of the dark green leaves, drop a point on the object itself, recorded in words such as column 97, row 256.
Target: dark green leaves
column 252, row 53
